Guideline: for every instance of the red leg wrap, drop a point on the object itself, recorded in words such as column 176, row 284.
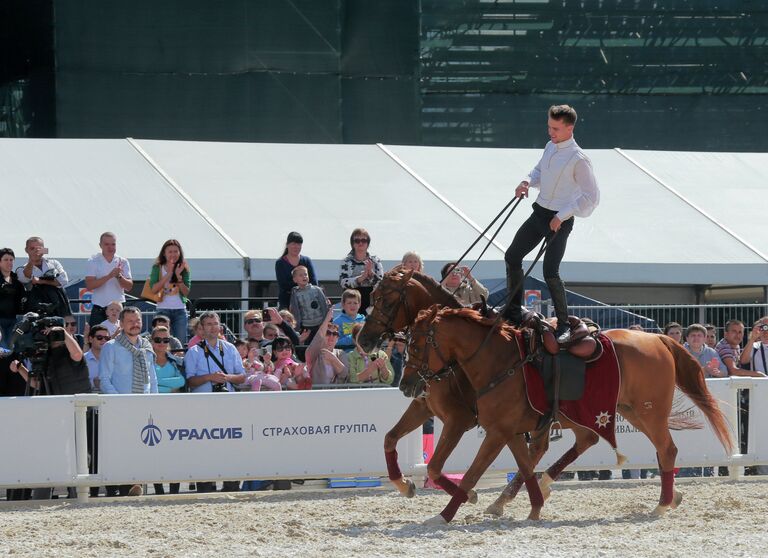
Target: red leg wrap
column 534, row 492
column 514, row 487
column 667, row 488
column 392, row 467
column 459, row 497
column 447, row 484
column 557, row 467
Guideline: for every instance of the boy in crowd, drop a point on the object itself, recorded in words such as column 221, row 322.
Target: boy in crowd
column 308, row 302
column 350, row 306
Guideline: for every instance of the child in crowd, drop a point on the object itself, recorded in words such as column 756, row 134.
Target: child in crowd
column 256, row 377
column 112, row 323
column 292, row 374
column 350, row 305
column 369, row 368
column 309, row 304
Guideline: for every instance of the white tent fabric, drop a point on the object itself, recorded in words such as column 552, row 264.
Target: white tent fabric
column 69, row 191
column 664, row 217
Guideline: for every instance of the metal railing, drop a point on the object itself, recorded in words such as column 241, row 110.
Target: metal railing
column 684, row 314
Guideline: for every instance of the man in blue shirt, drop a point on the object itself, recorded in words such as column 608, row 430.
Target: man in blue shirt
column 214, row 363
column 127, row 363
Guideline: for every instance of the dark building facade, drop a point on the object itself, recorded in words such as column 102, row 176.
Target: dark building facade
column 643, row 74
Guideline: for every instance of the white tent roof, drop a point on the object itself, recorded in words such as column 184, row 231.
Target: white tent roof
column 663, row 217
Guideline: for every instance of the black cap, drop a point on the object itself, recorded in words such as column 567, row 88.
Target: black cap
column 293, row 236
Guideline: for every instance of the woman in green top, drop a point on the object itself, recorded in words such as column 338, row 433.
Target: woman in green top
column 170, row 276
column 368, row 368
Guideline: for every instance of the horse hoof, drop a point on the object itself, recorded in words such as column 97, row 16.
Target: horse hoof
column 660, row 510
column 436, row 521
column 535, row 515
column 405, row 487
column 471, row 497
column 676, row 500
column 495, row 509
column 411, row 490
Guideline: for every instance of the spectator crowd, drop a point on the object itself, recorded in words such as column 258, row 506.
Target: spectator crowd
column 297, row 345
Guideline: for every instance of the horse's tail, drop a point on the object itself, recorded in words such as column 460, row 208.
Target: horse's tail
column 689, row 377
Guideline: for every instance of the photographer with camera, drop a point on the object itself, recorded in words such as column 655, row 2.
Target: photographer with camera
column 44, row 279
column 213, row 365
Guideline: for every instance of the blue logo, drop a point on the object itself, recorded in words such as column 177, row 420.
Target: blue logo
column 151, row 434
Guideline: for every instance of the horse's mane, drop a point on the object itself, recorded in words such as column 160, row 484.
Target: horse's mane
column 438, row 293
column 437, row 312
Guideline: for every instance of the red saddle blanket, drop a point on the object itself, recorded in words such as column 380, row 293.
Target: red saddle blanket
column 596, row 410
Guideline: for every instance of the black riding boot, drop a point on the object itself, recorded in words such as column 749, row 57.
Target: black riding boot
column 513, row 311
column 559, row 299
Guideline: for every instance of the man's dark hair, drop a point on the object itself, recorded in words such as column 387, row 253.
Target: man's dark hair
column 695, row 327
column 159, row 318
column 563, row 113
column 129, row 310
column 208, row 315
column 729, row 323
column 95, row 329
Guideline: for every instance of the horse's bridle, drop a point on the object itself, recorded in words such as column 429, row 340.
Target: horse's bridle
column 389, row 317
column 426, row 374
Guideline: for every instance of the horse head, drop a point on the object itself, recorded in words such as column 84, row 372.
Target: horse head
column 446, row 339
column 425, row 359
column 396, row 300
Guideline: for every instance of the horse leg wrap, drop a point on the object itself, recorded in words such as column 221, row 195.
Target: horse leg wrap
column 557, row 467
column 534, row 492
column 667, row 488
column 392, row 467
column 448, row 485
column 458, row 498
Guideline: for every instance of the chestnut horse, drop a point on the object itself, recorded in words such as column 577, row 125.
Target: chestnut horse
column 397, row 300
column 651, row 367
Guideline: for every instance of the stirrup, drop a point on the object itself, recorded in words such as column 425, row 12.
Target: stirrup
column 555, row 431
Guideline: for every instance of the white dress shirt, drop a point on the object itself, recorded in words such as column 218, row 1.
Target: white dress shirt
column 565, row 180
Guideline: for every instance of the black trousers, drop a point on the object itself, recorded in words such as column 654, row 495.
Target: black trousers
column 531, row 233
column 98, row 315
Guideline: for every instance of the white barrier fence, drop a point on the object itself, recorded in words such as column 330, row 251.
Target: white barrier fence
column 315, row 434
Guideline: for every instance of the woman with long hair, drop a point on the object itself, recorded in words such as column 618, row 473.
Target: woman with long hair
column 170, row 276
column 284, row 267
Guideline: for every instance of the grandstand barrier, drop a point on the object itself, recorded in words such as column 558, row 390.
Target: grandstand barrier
column 272, row 435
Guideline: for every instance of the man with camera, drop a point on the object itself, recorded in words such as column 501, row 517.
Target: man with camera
column 213, row 365
column 53, row 365
column 44, row 278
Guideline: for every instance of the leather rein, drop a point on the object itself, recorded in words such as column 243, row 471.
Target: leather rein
column 426, row 374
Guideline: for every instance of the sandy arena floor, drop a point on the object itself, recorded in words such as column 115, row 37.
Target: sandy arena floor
column 716, row 518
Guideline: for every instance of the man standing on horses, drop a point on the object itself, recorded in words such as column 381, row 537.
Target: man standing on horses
column 567, row 188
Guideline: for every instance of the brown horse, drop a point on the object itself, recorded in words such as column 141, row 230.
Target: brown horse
column 397, row 300
column 651, row 366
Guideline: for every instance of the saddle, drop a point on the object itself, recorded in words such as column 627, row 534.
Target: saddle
column 583, row 344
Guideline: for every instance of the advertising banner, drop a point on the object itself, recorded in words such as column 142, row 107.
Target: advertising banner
column 250, row 435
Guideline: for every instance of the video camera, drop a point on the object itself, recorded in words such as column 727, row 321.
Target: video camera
column 30, row 341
